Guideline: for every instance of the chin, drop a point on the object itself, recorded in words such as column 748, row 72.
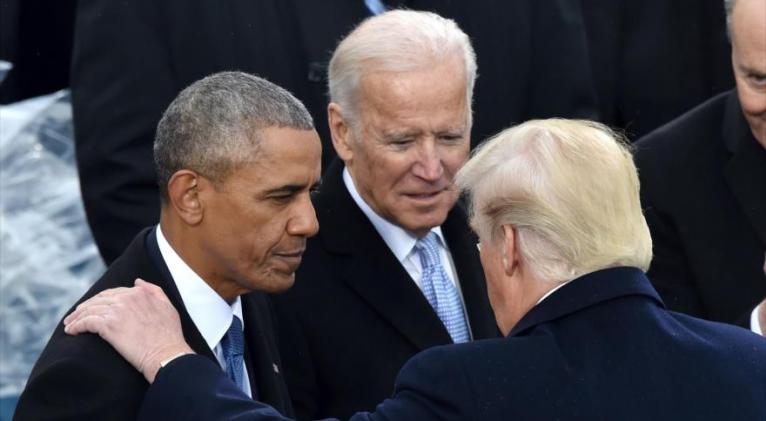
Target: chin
column 274, row 284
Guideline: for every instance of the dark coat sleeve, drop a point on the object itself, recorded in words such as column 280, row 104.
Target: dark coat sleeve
column 193, row 388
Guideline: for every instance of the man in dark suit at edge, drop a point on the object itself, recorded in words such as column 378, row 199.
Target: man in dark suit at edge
column 703, row 187
column 236, row 157
column 367, row 295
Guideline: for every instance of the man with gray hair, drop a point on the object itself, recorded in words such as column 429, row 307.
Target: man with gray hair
column 703, row 185
column 394, row 270
column 236, row 158
column 564, row 246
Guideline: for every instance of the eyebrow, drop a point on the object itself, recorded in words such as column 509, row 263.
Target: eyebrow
column 289, row 189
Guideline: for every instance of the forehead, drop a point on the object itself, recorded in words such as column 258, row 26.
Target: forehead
column 749, row 27
column 434, row 95
column 283, row 156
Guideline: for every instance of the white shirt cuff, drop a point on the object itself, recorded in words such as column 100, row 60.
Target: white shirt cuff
column 754, row 325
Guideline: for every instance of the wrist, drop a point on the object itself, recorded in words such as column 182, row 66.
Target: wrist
column 162, row 359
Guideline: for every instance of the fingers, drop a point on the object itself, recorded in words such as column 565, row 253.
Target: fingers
column 93, row 323
column 154, row 290
column 89, row 312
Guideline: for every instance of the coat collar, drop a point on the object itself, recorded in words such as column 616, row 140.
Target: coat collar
column 586, row 291
column 375, row 274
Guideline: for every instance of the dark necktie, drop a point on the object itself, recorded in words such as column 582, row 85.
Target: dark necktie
column 233, row 347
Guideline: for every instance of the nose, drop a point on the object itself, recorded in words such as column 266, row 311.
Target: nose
column 429, row 163
column 304, row 222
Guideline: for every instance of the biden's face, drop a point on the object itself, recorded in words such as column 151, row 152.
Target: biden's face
column 411, row 137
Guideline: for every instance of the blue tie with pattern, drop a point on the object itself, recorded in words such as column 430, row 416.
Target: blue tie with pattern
column 440, row 291
column 375, row 7
column 233, row 347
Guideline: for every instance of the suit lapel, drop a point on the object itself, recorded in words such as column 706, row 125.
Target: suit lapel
column 746, row 170
column 261, row 355
column 372, row 270
column 165, row 281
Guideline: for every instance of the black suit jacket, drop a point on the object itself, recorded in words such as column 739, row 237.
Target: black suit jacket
column 132, row 57
column 703, row 188
column 600, row 348
column 354, row 315
column 83, row 378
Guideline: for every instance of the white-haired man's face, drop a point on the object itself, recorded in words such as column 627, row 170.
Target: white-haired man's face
column 748, row 36
column 412, row 137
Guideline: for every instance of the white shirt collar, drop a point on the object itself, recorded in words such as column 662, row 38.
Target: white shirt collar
column 547, row 294
column 211, row 314
column 396, row 238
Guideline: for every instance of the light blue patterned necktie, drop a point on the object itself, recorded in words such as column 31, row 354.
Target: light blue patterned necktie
column 375, row 7
column 233, row 347
column 440, row 291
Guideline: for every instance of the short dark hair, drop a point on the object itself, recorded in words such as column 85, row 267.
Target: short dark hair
column 212, row 126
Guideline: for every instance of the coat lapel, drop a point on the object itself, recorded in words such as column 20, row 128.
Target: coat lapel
column 261, row 354
column 746, row 170
column 165, row 281
column 372, row 270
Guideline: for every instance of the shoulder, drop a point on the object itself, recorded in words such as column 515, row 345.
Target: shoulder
column 694, row 129
column 485, row 379
column 80, row 377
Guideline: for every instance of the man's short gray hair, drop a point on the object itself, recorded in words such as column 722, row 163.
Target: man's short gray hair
column 569, row 188
column 398, row 41
column 213, row 125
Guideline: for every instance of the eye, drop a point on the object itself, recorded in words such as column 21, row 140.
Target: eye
column 758, row 80
column 282, row 199
column 451, row 139
column 401, row 143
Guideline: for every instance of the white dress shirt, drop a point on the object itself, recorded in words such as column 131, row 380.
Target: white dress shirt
column 210, row 313
column 754, row 325
column 402, row 243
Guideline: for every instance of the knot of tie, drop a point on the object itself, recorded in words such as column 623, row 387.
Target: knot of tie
column 428, row 250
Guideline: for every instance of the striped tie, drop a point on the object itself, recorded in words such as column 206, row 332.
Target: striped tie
column 440, row 291
column 233, row 347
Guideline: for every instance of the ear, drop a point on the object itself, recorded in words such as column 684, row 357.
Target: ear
column 184, row 196
column 510, row 250
column 340, row 131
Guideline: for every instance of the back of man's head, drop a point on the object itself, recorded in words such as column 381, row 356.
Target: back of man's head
column 396, row 41
column 570, row 189
column 213, row 125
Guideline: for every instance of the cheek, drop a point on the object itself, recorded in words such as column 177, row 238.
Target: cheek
column 455, row 159
column 753, row 101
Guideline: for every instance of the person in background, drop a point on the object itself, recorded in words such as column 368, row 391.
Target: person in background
column 703, row 187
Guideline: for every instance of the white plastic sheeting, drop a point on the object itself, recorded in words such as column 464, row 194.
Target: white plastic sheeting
column 47, row 255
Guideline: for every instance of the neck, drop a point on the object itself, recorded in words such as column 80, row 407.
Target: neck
column 525, row 295
column 185, row 243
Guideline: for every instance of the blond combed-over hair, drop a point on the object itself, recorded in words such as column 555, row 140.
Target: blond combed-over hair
column 571, row 191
